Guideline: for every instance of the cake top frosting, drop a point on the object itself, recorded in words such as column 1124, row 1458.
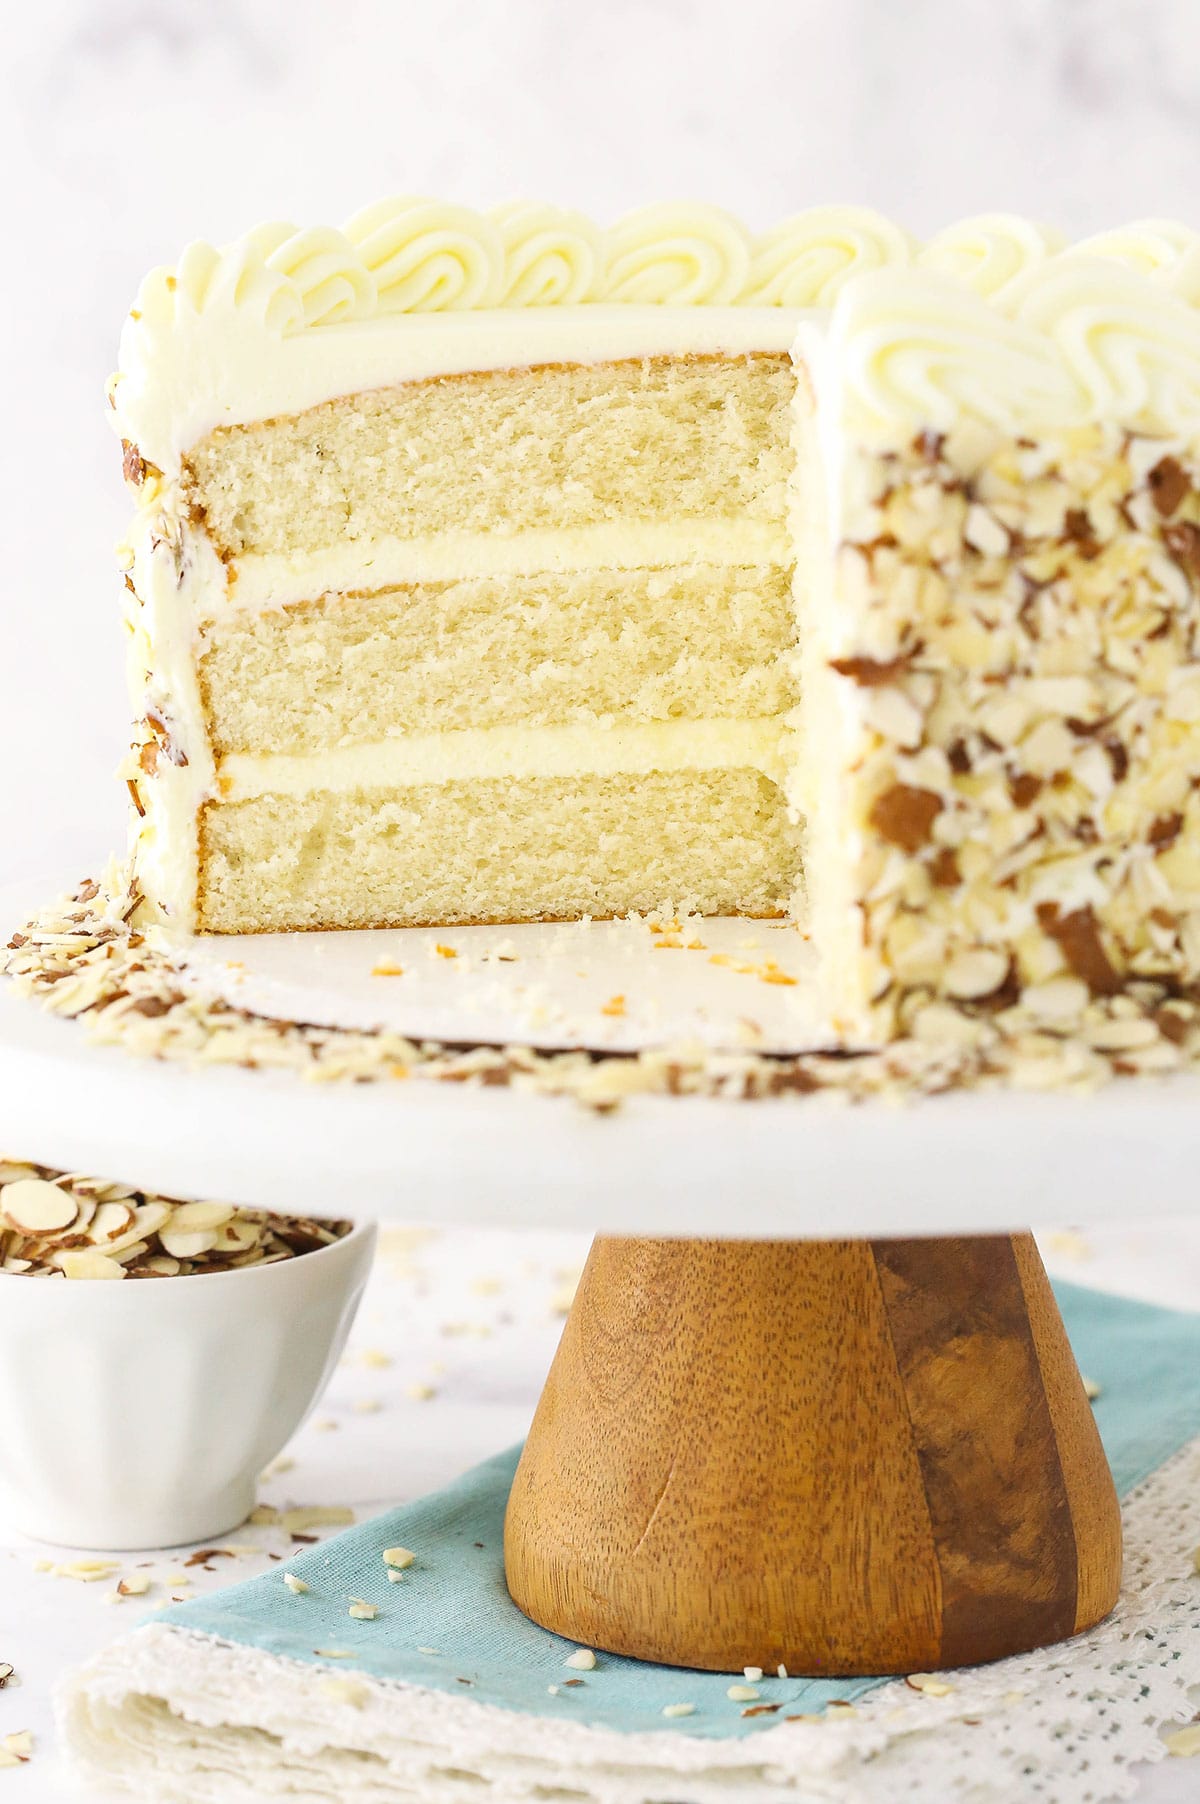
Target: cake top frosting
column 994, row 314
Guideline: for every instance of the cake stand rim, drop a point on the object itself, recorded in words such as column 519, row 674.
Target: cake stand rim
column 808, row 1167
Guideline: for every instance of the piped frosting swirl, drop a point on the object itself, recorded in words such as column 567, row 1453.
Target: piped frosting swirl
column 1080, row 341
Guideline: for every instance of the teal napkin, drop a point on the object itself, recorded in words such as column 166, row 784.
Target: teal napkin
column 451, row 1626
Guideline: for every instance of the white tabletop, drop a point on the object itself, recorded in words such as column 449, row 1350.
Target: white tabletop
column 472, row 1317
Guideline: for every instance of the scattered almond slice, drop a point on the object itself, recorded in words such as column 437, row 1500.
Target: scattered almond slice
column 6, row 1673
column 136, row 1585
column 88, row 1572
column 929, row 1684
column 17, row 1748
column 583, row 1659
column 362, row 1611
column 679, row 1709
column 295, row 1585
column 330, row 1515
column 752, row 1674
column 35, row 1206
column 1091, row 1389
column 742, row 1694
column 333, row 1653
column 263, row 1515
column 395, row 1578
column 1183, row 1743
column 401, row 1558
column 346, row 1691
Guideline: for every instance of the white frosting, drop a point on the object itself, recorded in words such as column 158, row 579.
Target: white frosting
column 989, row 251
column 218, row 361
column 624, row 748
column 1077, row 340
column 807, row 260
column 287, row 317
column 271, row 580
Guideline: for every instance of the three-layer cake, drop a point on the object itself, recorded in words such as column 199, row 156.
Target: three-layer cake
column 497, row 568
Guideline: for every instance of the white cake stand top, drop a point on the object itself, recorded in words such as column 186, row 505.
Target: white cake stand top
column 804, row 1167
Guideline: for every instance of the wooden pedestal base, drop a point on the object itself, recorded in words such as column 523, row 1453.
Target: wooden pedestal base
column 853, row 1457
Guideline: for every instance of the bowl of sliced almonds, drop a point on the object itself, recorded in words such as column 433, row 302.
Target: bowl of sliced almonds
column 139, row 1413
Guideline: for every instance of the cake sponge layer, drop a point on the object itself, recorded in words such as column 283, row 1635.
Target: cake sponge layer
column 504, row 451
column 713, row 842
column 699, row 642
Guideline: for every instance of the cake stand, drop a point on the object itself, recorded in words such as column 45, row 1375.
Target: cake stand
column 814, row 1404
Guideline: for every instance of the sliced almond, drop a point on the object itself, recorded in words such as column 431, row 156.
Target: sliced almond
column 200, row 1218
column 13, row 1172
column 34, row 1206
column 298, row 1522
column 182, row 1244
column 150, row 1217
column 399, row 1557
column 362, row 1611
column 87, row 1262
column 109, row 1222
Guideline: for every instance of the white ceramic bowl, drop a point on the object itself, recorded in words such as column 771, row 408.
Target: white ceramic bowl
column 141, row 1414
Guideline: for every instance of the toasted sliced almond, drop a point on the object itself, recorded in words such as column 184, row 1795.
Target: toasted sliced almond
column 136, row 1585
column 34, row 1206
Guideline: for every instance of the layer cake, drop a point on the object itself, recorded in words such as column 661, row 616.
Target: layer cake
column 490, row 568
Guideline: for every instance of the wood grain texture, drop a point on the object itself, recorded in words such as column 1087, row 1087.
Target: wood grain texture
column 838, row 1455
column 1095, row 1510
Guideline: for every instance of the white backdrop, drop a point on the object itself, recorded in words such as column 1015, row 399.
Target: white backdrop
column 129, row 126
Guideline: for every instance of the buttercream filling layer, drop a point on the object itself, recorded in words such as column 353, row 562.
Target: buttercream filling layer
column 430, row 758
column 268, row 580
